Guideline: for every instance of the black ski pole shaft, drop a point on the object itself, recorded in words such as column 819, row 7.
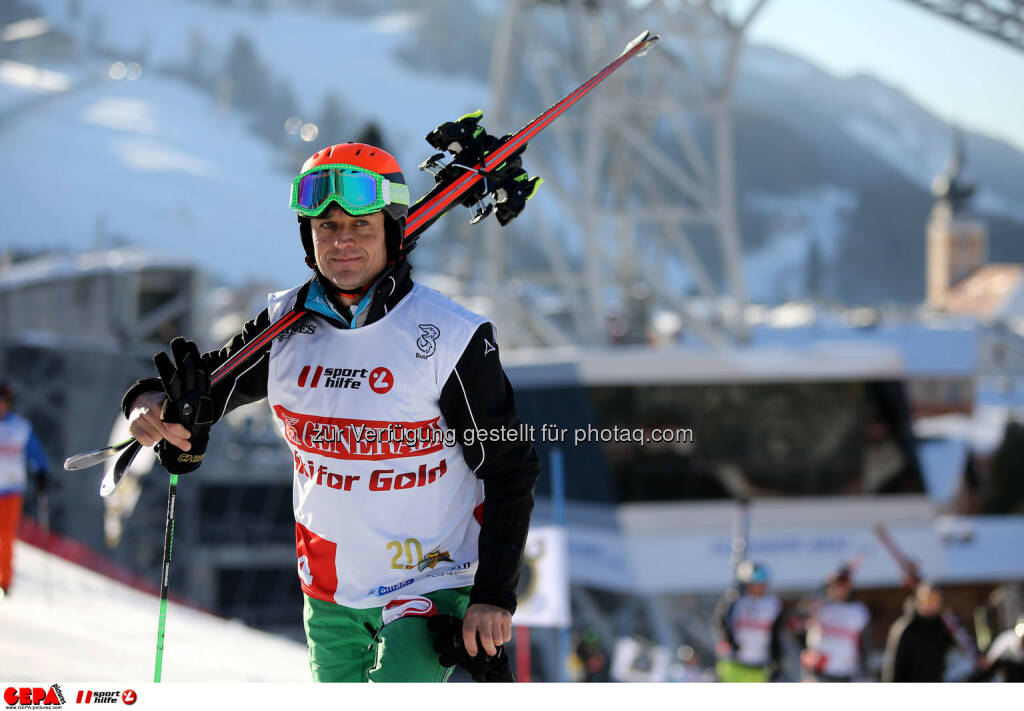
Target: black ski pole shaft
column 172, row 495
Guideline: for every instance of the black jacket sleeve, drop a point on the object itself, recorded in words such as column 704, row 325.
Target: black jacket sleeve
column 775, row 648
column 862, row 652
column 478, row 396
column 247, row 384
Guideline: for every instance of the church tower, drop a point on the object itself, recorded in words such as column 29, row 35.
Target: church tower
column 957, row 242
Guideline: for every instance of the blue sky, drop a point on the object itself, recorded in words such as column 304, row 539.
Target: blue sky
column 960, row 75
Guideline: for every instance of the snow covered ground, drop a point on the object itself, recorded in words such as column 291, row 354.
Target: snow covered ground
column 66, row 623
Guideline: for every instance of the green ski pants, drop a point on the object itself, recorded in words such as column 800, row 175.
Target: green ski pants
column 346, row 644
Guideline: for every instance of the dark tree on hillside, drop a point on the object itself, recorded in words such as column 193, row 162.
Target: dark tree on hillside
column 94, row 33
column 1005, row 492
column 331, row 123
column 371, row 135
column 280, row 104
column 815, row 271
column 249, row 83
column 198, row 52
column 14, row 10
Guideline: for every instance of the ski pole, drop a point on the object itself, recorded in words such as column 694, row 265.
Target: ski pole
column 172, row 495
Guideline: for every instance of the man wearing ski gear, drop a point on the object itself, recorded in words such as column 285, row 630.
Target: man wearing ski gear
column 835, row 631
column 1004, row 660
column 919, row 640
column 748, row 625
column 401, row 513
column 20, row 450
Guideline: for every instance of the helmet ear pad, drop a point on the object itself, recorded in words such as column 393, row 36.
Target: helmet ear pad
column 306, row 233
column 394, row 233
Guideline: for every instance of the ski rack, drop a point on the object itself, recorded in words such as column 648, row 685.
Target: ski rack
column 467, row 179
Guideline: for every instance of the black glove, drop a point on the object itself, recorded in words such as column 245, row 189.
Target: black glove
column 188, row 404
column 447, row 631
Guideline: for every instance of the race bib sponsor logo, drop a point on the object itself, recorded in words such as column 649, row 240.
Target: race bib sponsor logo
column 305, row 328
column 426, row 344
column 382, row 590
column 381, row 380
column 431, row 559
column 387, row 479
column 343, row 438
column 317, row 376
column 457, row 570
column 379, row 480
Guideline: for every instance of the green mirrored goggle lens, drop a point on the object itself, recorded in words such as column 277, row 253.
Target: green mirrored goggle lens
column 314, row 189
column 358, row 191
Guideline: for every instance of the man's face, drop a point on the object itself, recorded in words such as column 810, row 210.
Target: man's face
column 840, row 591
column 5, row 406
column 757, row 589
column 350, row 250
column 929, row 601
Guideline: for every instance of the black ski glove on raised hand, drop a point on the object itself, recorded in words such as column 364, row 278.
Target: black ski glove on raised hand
column 447, row 631
column 188, row 403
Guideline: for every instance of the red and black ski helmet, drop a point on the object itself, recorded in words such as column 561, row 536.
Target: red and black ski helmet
column 368, row 158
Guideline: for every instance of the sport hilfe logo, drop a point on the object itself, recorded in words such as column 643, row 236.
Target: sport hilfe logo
column 88, row 696
column 34, row 697
column 380, row 379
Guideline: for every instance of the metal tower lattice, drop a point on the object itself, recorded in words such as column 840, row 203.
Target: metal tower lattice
column 1002, row 19
column 639, row 209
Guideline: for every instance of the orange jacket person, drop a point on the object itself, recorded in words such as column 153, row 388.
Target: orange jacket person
column 18, row 447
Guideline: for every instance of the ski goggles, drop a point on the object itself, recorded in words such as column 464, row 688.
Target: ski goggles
column 357, row 190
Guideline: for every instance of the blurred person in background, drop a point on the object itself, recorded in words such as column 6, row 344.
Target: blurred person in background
column 20, row 451
column 747, row 625
column 1004, row 660
column 919, row 640
column 593, row 662
column 834, row 632
column 409, row 546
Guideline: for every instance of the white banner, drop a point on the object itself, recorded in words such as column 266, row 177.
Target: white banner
column 544, row 583
column 637, row 662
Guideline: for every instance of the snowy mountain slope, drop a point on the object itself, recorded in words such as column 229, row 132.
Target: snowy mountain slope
column 814, row 219
column 880, row 120
column 800, row 129
column 156, row 161
column 65, row 623
column 318, row 53
column 148, row 161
